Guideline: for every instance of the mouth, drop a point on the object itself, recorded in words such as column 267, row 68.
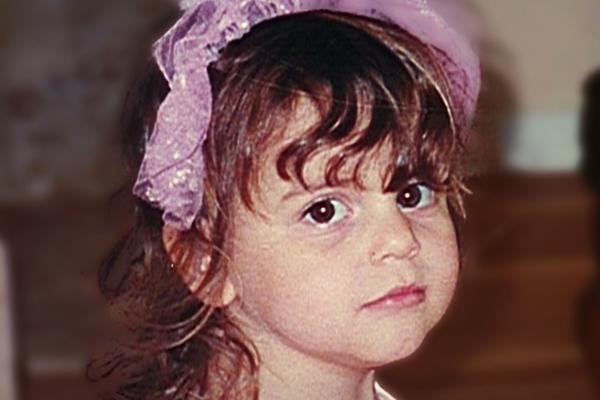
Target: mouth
column 399, row 298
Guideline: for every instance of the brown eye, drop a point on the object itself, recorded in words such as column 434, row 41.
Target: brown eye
column 415, row 196
column 325, row 212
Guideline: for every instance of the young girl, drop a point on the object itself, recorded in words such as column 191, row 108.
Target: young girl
column 300, row 188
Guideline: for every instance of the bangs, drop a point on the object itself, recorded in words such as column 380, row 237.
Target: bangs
column 360, row 115
column 367, row 92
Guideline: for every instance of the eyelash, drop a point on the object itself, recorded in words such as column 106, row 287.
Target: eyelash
column 429, row 192
column 306, row 215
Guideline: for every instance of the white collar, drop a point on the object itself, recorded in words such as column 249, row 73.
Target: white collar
column 381, row 393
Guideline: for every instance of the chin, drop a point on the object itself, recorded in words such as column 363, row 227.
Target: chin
column 406, row 348
column 391, row 347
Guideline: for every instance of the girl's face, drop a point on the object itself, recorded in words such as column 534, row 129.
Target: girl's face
column 306, row 273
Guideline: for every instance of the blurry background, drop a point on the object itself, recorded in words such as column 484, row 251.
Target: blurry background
column 526, row 320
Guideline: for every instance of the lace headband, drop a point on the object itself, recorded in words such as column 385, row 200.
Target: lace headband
column 172, row 171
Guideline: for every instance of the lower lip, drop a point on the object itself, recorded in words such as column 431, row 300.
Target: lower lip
column 399, row 301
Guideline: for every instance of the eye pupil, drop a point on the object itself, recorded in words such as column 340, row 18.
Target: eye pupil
column 410, row 197
column 322, row 212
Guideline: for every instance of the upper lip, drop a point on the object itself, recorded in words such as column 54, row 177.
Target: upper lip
column 397, row 291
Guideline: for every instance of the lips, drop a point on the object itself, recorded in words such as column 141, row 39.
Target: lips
column 399, row 297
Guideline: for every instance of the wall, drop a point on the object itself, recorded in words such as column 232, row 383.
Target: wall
column 544, row 49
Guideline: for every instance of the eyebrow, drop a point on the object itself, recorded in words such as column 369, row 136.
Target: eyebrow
column 392, row 186
column 298, row 192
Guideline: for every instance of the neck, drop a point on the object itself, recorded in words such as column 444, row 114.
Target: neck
column 286, row 373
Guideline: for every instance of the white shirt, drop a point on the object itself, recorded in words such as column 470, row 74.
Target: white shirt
column 382, row 394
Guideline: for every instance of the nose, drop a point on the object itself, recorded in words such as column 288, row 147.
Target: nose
column 393, row 238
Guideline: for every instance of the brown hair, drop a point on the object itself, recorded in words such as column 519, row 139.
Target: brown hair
column 186, row 348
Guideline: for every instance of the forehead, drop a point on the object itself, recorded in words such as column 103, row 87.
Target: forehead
column 374, row 164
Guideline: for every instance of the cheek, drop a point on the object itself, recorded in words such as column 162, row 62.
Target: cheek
column 444, row 256
column 440, row 265
column 296, row 293
column 280, row 280
column 262, row 280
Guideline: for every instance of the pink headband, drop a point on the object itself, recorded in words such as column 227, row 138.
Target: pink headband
column 172, row 171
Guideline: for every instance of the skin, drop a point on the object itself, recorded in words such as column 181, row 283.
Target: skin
column 298, row 288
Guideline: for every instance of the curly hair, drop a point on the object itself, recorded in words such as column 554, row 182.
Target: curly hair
column 183, row 347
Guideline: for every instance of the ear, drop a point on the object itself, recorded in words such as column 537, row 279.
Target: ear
column 170, row 236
